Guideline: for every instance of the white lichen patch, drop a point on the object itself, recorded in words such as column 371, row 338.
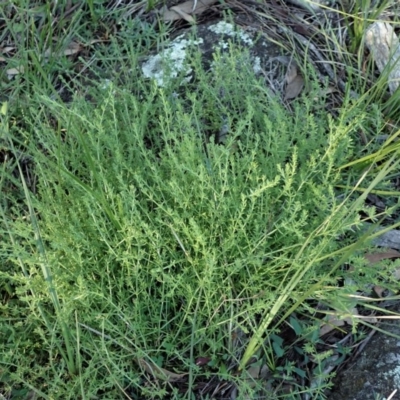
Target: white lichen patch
column 105, row 84
column 225, row 28
column 257, row 65
column 171, row 62
column 393, row 358
column 393, row 374
column 174, row 56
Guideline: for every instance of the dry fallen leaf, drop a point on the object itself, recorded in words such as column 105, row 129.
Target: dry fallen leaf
column 376, row 257
column 183, row 14
column 291, row 73
column 333, row 321
column 7, row 49
column 397, row 274
column 72, row 48
column 294, row 83
column 158, row 372
column 379, row 290
column 15, row 71
column 184, row 10
column 200, row 361
column 253, row 373
column 325, row 92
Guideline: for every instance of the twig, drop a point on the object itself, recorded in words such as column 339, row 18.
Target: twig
column 364, row 343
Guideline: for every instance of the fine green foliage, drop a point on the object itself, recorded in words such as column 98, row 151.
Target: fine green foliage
column 145, row 228
column 53, row 45
column 149, row 240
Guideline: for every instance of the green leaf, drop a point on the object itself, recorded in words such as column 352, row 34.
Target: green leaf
column 295, row 324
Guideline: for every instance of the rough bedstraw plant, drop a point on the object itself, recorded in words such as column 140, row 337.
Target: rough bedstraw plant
column 164, row 244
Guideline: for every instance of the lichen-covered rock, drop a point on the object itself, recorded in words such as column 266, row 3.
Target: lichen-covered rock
column 209, row 38
column 375, row 374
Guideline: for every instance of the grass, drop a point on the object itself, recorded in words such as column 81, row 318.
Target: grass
column 143, row 259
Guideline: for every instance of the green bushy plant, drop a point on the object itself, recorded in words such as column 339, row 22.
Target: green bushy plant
column 160, row 240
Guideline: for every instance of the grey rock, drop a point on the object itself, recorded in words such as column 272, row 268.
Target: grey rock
column 210, row 38
column 389, row 239
column 384, row 47
column 375, row 373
